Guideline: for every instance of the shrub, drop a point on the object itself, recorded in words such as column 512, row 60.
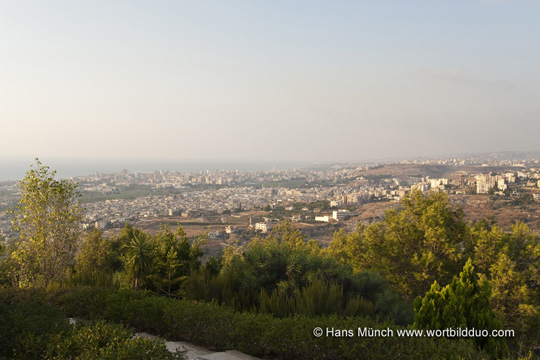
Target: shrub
column 107, row 341
column 86, row 302
column 219, row 327
column 26, row 328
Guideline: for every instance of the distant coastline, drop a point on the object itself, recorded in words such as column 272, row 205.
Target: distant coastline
column 16, row 168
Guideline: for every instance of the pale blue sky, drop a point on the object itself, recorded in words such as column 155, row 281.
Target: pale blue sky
column 310, row 80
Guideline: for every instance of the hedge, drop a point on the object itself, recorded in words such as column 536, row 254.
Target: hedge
column 221, row 328
column 32, row 329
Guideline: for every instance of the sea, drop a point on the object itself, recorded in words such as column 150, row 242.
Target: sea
column 15, row 169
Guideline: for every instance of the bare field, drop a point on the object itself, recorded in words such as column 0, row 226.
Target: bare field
column 505, row 214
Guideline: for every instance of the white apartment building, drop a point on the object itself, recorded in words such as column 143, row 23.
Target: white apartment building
column 263, row 227
column 340, row 215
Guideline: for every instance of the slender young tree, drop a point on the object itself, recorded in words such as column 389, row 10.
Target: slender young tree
column 48, row 218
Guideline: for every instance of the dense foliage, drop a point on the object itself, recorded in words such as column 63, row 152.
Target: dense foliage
column 415, row 244
column 48, row 220
column 286, row 276
column 219, row 327
column 31, row 328
column 463, row 304
column 266, row 297
column 425, row 243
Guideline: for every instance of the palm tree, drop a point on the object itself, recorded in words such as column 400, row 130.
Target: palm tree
column 138, row 252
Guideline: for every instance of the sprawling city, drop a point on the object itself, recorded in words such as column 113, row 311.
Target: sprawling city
column 183, row 235
column 249, row 180
column 318, row 199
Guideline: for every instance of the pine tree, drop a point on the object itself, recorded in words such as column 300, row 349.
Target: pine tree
column 414, row 245
column 464, row 303
column 173, row 259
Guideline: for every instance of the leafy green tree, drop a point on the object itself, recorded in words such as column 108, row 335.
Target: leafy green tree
column 464, row 303
column 173, row 260
column 48, row 218
column 511, row 299
column 94, row 254
column 165, row 276
column 127, row 234
column 4, row 268
column 8, row 272
column 118, row 246
column 524, row 249
column 214, row 265
column 190, row 254
column 511, row 263
column 488, row 241
column 415, row 244
column 288, row 234
column 346, row 247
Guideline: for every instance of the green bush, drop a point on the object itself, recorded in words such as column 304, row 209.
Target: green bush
column 145, row 313
column 32, row 329
column 86, row 302
column 106, row 341
column 26, row 328
column 284, row 278
column 315, row 299
column 17, row 295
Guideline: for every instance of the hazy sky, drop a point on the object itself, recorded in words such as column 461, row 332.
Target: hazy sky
column 306, row 80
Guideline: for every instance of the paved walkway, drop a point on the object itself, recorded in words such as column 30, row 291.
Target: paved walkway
column 190, row 351
column 194, row 352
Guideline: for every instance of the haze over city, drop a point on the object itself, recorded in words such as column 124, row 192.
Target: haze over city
column 303, row 81
column 270, row 179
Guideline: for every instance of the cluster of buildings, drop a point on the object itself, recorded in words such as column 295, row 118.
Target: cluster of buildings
column 191, row 195
column 499, row 183
column 337, row 215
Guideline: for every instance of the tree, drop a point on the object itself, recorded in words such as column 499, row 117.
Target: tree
column 48, row 218
column 511, row 299
column 524, row 249
column 465, row 304
column 138, row 258
column 7, row 266
column 346, row 247
column 487, row 243
column 96, row 254
column 173, row 260
column 511, row 263
column 414, row 245
column 288, row 234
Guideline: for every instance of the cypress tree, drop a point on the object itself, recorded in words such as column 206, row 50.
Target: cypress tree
column 464, row 303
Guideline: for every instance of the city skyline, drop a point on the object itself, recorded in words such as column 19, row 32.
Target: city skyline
column 16, row 168
column 292, row 82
